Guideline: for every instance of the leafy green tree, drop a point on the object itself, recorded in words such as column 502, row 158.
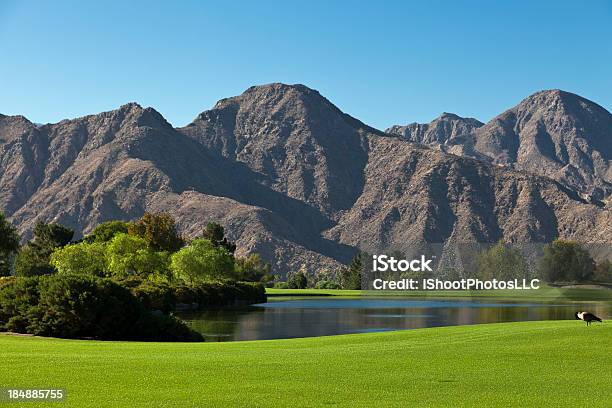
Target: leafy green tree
column 502, row 262
column 566, row 261
column 253, row 269
column 81, row 258
column 129, row 255
column 107, row 231
column 159, row 231
column 350, row 278
column 9, row 244
column 201, row 261
column 215, row 233
column 297, row 280
column 33, row 258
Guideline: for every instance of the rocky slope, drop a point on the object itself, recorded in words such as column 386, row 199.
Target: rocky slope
column 289, row 175
column 552, row 133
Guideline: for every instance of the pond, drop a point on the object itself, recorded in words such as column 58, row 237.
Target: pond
column 325, row 316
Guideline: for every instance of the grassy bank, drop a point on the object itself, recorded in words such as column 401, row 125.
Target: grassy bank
column 512, row 364
column 542, row 294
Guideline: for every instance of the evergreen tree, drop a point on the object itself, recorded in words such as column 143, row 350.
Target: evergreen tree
column 350, row 277
column 215, row 233
column 34, row 257
column 9, row 244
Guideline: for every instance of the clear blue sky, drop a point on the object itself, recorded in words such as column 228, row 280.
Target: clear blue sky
column 382, row 62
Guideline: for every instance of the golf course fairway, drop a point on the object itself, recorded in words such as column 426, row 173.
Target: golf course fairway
column 550, row 363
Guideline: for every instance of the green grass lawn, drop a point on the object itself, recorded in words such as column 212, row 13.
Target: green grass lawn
column 543, row 294
column 513, row 364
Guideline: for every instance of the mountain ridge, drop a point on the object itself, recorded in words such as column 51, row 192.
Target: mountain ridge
column 554, row 133
column 290, row 176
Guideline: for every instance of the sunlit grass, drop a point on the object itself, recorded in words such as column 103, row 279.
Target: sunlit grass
column 546, row 293
column 510, row 364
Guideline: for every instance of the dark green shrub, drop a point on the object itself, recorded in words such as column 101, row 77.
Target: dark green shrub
column 73, row 306
column 163, row 296
column 17, row 297
column 217, row 294
column 155, row 295
column 33, row 261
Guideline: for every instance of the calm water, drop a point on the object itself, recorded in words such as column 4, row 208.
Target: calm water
column 308, row 317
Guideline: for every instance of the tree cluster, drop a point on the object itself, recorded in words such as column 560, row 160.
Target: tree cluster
column 567, row 261
column 107, row 284
column 150, row 247
column 346, row 277
column 502, row 262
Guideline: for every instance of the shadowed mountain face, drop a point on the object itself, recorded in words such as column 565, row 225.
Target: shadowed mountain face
column 551, row 133
column 293, row 140
column 293, row 178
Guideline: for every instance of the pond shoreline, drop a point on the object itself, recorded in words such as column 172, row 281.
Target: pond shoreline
column 300, row 316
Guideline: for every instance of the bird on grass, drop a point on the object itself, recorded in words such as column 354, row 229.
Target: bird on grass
column 587, row 317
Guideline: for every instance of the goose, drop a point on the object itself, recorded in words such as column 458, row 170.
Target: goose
column 587, row 317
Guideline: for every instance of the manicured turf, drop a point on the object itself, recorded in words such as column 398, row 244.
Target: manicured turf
column 543, row 294
column 553, row 363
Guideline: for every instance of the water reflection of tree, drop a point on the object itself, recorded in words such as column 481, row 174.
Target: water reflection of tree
column 219, row 325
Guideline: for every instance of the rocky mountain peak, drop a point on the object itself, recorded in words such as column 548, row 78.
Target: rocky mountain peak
column 555, row 104
column 133, row 114
column 553, row 133
column 294, row 138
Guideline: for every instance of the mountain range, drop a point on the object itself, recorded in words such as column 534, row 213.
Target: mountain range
column 292, row 177
column 553, row 133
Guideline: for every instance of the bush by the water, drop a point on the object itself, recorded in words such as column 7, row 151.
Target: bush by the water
column 164, row 296
column 78, row 306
